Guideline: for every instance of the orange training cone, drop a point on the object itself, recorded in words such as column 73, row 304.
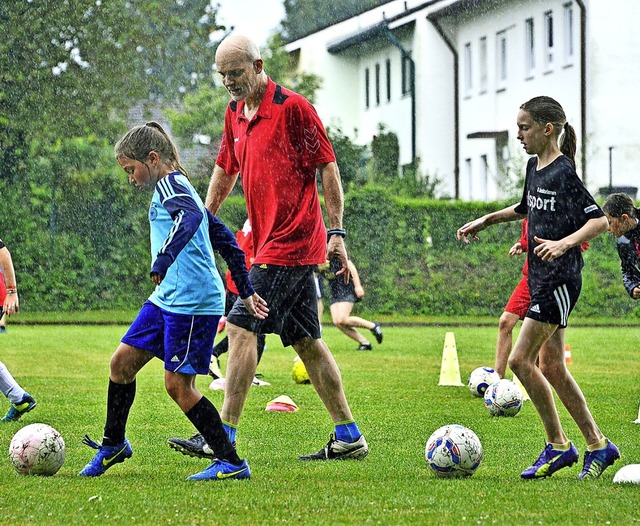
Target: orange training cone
column 567, row 354
column 450, row 369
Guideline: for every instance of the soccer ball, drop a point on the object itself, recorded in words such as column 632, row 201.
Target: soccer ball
column 37, row 449
column 299, row 372
column 480, row 379
column 503, row 398
column 453, row 451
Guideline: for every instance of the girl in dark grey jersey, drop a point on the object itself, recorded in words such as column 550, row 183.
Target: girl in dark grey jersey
column 562, row 215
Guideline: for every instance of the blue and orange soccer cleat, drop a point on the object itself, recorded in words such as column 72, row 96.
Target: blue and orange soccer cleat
column 223, row 470
column 25, row 405
column 106, row 457
column 550, row 461
column 595, row 462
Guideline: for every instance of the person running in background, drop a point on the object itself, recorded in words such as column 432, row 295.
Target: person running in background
column 517, row 306
column 343, row 297
column 178, row 322
column 275, row 140
column 562, row 215
column 21, row 401
column 624, row 219
column 244, row 238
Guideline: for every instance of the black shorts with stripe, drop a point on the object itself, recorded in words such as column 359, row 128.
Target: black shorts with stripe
column 290, row 293
column 552, row 303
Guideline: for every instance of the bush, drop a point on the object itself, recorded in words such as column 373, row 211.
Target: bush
column 411, row 263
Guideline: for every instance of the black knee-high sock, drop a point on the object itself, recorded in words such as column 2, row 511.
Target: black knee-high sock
column 221, row 348
column 119, row 401
column 206, row 419
column 261, row 343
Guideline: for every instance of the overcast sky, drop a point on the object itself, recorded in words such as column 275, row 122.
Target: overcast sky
column 253, row 18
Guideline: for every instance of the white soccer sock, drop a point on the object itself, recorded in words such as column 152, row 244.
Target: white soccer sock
column 9, row 387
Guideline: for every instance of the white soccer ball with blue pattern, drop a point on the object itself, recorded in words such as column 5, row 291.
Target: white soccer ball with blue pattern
column 503, row 398
column 453, row 451
column 480, row 379
column 37, row 449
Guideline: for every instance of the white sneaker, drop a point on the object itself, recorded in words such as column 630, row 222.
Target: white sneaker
column 217, row 385
column 259, row 383
column 214, row 368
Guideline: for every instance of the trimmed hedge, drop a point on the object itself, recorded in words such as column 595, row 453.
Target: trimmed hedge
column 412, row 264
column 405, row 249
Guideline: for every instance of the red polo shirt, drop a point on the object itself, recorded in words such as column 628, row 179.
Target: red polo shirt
column 277, row 154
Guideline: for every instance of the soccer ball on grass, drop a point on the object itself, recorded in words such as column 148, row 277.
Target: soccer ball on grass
column 453, row 451
column 503, row 398
column 299, row 372
column 37, row 449
column 480, row 379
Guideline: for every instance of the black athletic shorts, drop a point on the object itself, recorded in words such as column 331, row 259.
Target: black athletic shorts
column 342, row 292
column 290, row 293
column 552, row 303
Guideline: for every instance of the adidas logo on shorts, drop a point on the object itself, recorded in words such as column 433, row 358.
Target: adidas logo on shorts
column 175, row 359
column 535, row 308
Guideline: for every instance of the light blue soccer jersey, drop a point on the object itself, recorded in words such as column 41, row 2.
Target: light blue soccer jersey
column 180, row 246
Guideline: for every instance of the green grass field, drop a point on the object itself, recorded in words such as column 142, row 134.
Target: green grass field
column 394, row 394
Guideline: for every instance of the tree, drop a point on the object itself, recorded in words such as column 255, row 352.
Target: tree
column 304, row 17
column 70, row 68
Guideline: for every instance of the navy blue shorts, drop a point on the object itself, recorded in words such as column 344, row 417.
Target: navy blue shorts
column 553, row 303
column 183, row 341
column 290, row 293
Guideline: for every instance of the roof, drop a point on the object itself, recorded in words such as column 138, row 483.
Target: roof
column 375, row 30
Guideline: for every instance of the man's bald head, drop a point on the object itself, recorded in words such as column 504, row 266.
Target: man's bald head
column 238, row 46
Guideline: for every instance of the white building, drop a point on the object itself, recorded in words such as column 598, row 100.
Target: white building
column 476, row 62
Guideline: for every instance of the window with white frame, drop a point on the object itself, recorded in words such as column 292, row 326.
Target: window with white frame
column 406, row 74
column 548, row 40
column 529, row 48
column 482, row 64
column 377, row 75
column 469, row 177
column 501, row 60
column 388, row 78
column 484, row 177
column 367, row 80
column 468, row 70
column 569, row 30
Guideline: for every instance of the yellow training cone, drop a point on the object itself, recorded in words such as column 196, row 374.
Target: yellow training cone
column 450, row 369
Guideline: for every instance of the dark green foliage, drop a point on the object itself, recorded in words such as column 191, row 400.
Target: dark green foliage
column 68, row 69
column 304, row 17
column 385, row 155
column 350, row 158
column 78, row 233
column 411, row 263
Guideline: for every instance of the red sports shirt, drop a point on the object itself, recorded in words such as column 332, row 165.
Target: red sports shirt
column 277, row 154
column 244, row 238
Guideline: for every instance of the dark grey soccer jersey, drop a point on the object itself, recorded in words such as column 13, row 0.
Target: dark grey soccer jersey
column 629, row 252
column 557, row 205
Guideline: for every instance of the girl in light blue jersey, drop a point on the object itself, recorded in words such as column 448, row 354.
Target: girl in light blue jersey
column 178, row 322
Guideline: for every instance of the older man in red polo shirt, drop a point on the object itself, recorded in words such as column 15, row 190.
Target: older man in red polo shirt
column 275, row 139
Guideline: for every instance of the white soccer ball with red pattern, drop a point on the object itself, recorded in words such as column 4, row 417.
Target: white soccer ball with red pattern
column 37, row 449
